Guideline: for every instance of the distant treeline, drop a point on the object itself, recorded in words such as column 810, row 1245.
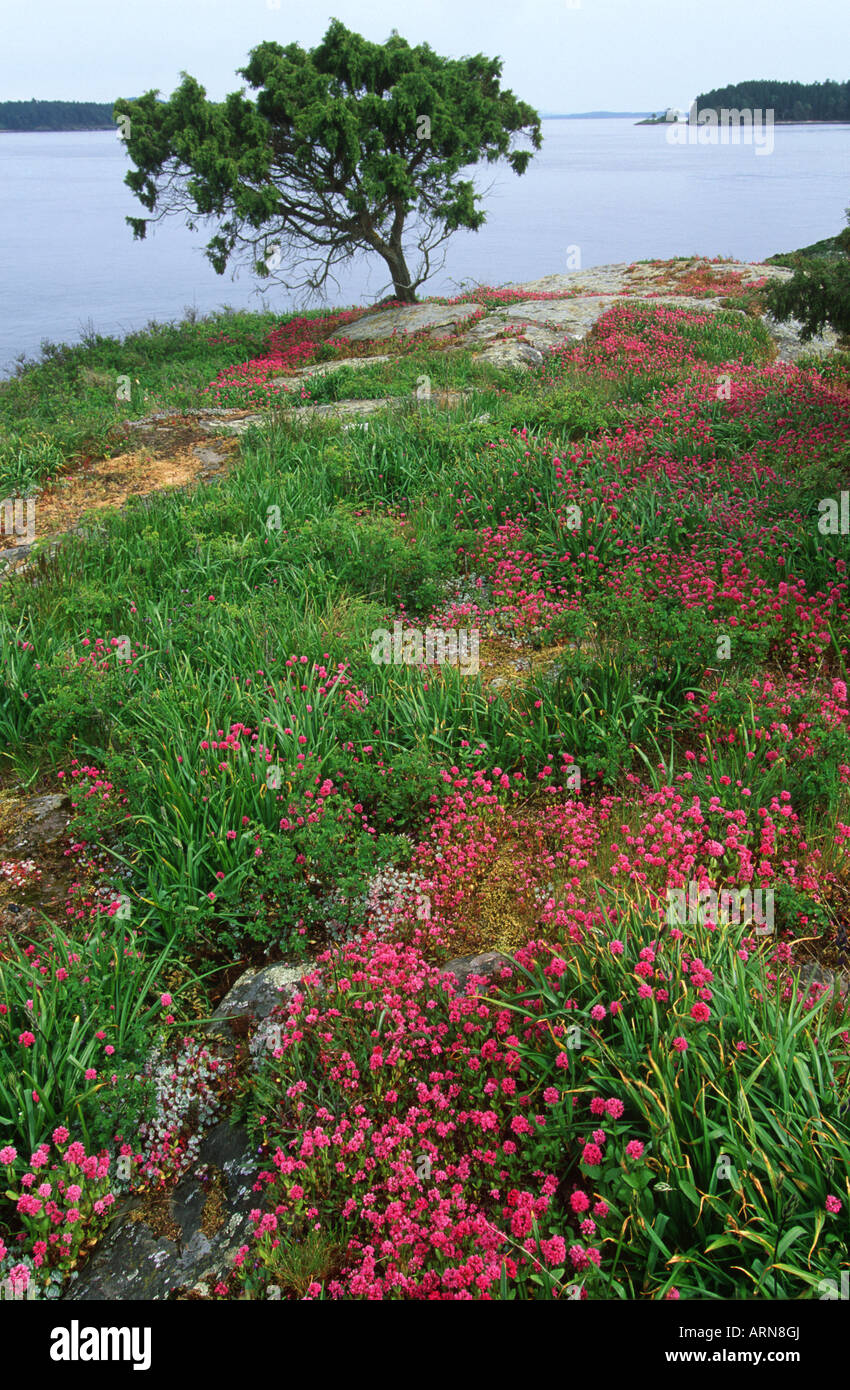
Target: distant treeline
column 789, row 101
column 56, row 115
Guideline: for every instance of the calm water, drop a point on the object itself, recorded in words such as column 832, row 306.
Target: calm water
column 617, row 191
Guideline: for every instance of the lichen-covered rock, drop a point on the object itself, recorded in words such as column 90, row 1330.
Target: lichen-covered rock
column 789, row 344
column 574, row 318
column 410, row 318
column 43, row 820
column 257, row 992
column 511, row 354
column 622, row 277
column 489, row 965
column 325, row 368
column 147, row 1253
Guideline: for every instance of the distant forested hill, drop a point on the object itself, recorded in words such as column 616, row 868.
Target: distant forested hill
column 789, row 101
column 55, row 115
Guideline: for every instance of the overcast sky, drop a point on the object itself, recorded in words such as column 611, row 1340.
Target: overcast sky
column 559, row 55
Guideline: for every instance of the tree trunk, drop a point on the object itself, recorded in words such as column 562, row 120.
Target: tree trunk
column 394, row 257
column 393, row 253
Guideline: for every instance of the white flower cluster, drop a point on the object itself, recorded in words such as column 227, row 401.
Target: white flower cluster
column 394, row 894
column 389, row 895
column 472, row 588
column 187, row 1103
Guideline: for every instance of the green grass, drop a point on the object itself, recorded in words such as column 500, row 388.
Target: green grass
column 320, row 534
column 422, row 370
column 63, row 407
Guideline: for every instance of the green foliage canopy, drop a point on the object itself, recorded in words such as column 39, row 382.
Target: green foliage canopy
column 343, row 144
column 818, row 294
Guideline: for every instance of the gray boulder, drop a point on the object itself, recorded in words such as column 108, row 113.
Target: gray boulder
column 489, row 965
column 189, row 1241
column 789, row 345
column 511, row 353
column 257, row 992
column 44, row 819
column 410, row 318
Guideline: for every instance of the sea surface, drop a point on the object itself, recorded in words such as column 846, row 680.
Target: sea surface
column 599, row 191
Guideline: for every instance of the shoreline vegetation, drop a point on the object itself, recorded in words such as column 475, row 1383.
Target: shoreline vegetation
column 44, row 117
column 44, row 428
column 523, row 1055
column 831, row 246
column 791, row 103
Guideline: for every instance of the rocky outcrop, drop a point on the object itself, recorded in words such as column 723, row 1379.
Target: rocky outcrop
column 548, row 323
column 185, row 1240
column 789, row 344
column 42, row 820
column 257, row 992
column 322, row 368
column 640, row 277
column 510, row 353
column 487, row 967
column 410, row 318
column 587, row 295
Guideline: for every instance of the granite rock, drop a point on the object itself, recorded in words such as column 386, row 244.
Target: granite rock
column 147, row 1257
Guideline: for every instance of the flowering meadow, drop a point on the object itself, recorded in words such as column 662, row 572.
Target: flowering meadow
column 631, row 1105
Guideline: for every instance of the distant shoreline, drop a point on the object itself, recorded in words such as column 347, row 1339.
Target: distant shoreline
column 56, row 130
column 569, row 116
column 561, row 116
column 664, row 121
column 41, row 116
column 592, row 115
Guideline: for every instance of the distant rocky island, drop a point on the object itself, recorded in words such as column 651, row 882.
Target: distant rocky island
column 792, row 103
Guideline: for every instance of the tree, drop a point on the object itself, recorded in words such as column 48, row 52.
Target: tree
column 343, row 145
column 818, row 293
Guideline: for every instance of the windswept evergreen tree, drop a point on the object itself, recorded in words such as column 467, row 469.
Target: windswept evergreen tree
column 349, row 147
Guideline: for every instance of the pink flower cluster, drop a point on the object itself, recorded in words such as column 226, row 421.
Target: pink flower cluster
column 64, row 1198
